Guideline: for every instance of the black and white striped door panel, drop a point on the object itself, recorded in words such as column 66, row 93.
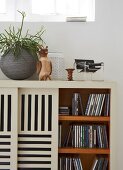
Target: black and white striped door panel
column 8, row 128
column 37, row 138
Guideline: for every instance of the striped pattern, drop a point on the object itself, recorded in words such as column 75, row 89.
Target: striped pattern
column 5, row 151
column 8, row 129
column 34, row 150
column 28, row 129
column 35, row 112
column 5, row 112
column 37, row 139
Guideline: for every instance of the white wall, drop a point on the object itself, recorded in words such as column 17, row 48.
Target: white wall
column 101, row 40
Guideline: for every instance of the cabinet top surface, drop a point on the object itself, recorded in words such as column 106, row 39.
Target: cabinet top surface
column 56, row 84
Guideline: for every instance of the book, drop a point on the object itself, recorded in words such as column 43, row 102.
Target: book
column 77, row 107
column 77, row 164
column 105, row 137
column 59, row 135
column 95, row 104
column 94, row 136
column 94, row 164
column 90, row 137
column 87, row 105
column 67, row 137
column 107, row 105
column 64, row 110
column 90, row 105
column 99, row 163
column 105, row 164
column 98, row 104
column 101, row 105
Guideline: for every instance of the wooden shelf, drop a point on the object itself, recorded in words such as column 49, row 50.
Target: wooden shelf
column 94, row 129
column 84, row 118
column 83, row 151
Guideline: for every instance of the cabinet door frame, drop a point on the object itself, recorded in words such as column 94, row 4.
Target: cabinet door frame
column 8, row 134
column 48, row 134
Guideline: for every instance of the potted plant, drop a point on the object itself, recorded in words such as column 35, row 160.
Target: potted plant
column 19, row 53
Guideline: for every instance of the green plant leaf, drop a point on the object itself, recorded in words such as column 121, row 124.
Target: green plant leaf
column 14, row 41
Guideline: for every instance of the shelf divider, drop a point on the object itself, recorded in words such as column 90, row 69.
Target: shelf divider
column 84, row 118
column 84, row 151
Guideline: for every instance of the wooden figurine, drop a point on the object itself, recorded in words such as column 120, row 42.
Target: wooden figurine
column 44, row 66
column 70, row 73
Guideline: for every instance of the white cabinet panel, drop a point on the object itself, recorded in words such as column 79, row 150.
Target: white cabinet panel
column 37, row 131
column 8, row 128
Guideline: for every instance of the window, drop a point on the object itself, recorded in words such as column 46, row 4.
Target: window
column 61, row 9
column 7, row 8
column 3, row 6
column 47, row 10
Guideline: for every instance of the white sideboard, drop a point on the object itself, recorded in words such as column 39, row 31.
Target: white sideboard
column 29, row 122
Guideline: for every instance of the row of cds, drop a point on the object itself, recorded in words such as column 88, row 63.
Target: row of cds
column 84, row 136
column 97, row 105
column 75, row 163
column 69, row 163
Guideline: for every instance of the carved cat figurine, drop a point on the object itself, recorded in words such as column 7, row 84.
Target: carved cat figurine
column 44, row 66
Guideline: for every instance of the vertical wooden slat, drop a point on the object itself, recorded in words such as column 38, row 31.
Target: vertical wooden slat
column 5, row 112
column 55, row 101
column 22, row 111
column 113, row 125
column 32, row 112
column 14, row 129
column 26, row 113
column 0, row 112
column 39, row 112
column 46, row 112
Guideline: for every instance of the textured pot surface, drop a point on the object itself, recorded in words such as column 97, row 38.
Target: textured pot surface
column 19, row 68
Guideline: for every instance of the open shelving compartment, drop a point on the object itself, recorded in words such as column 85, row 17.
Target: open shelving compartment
column 87, row 155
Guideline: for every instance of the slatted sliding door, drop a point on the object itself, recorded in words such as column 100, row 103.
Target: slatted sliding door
column 37, row 131
column 8, row 128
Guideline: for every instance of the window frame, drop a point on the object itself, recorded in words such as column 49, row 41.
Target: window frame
column 22, row 5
